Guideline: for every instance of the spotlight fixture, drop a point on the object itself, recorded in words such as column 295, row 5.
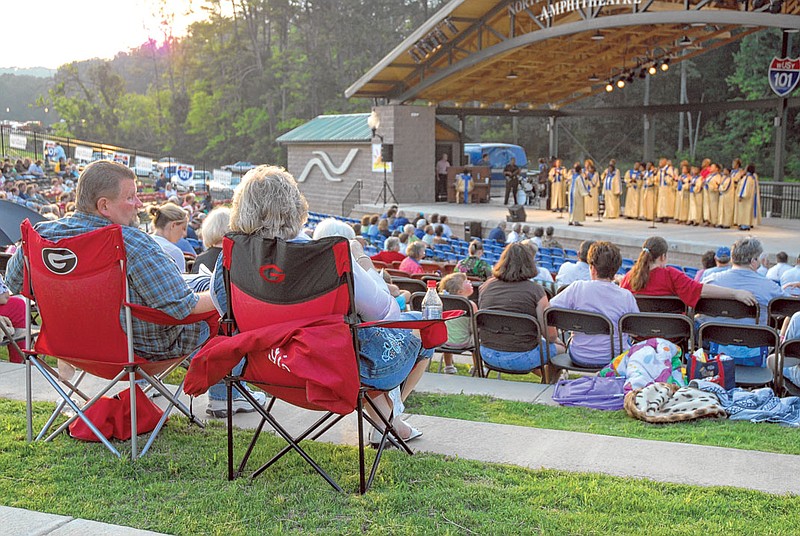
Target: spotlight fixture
column 440, row 35
column 621, row 83
column 598, row 36
column 512, row 75
column 652, row 69
column 513, row 110
column 665, row 65
column 685, row 41
column 630, row 78
column 414, row 55
column 450, row 26
column 609, row 87
column 425, row 46
column 594, row 78
column 642, row 73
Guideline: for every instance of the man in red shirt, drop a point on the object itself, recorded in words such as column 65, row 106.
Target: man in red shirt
column 391, row 253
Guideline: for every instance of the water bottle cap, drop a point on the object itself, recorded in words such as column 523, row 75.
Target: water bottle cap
column 431, row 283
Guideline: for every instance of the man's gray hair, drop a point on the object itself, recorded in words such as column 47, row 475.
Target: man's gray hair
column 215, row 225
column 408, row 228
column 268, row 203
column 392, row 244
column 100, row 179
column 421, row 223
column 517, row 227
column 333, row 227
column 745, row 250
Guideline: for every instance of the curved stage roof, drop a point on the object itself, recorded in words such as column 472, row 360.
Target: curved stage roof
column 544, row 54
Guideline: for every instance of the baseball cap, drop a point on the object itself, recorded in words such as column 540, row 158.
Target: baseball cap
column 723, row 253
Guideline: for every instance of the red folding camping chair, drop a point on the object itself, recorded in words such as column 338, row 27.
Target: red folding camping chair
column 292, row 304
column 83, row 297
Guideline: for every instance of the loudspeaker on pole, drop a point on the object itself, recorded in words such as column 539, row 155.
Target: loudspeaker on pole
column 387, row 152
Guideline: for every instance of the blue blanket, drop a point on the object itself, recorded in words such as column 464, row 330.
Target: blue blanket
column 759, row 405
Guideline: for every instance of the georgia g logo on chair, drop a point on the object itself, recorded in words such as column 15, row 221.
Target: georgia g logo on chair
column 60, row 261
column 271, row 273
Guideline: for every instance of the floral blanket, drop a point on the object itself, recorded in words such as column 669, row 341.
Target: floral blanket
column 650, row 361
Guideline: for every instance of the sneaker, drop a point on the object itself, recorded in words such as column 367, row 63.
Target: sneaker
column 450, row 369
column 219, row 408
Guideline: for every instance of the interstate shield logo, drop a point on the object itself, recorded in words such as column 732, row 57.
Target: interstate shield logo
column 784, row 74
column 60, row 261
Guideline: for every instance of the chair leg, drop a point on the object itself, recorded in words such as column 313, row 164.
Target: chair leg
column 229, row 388
column 60, row 407
column 362, row 483
column 134, row 420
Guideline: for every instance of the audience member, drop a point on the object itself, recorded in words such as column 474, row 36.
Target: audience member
column 12, row 308
column 600, row 295
column 763, row 263
column 722, row 262
column 576, row 271
column 548, row 241
column 781, row 266
column 510, row 289
column 428, row 237
column 538, row 233
column 215, row 225
column 415, row 252
column 420, row 228
column 474, row 265
column 169, row 226
column 269, row 204
column 706, row 261
column 447, row 231
column 515, row 235
column 459, row 334
column 542, row 273
column 790, row 276
column 498, row 234
column 392, row 251
column 651, row 276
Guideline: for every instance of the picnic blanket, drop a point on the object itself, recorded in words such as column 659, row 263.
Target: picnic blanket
column 666, row 402
column 759, row 405
column 650, row 361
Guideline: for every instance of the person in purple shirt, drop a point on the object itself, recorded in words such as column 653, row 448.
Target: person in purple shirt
column 599, row 295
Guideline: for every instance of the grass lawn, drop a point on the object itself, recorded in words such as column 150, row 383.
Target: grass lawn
column 717, row 432
column 179, row 488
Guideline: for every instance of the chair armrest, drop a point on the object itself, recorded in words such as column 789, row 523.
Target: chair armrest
column 155, row 316
column 432, row 332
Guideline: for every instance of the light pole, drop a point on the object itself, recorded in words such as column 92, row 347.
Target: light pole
column 373, row 122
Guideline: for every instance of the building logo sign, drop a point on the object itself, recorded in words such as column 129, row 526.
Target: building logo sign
column 784, row 73
column 551, row 9
column 322, row 161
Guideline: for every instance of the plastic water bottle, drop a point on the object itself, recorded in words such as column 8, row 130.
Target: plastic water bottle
column 431, row 303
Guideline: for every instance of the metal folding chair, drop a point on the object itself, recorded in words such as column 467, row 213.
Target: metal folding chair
column 453, row 303
column 510, row 325
column 790, row 355
column 676, row 328
column 752, row 337
column 780, row 308
column 660, row 304
column 571, row 321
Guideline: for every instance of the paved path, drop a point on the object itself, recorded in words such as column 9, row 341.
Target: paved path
column 534, row 447
column 19, row 522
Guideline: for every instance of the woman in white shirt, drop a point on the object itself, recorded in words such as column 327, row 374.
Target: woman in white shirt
column 169, row 224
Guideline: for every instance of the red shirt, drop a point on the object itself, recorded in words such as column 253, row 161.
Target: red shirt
column 388, row 256
column 668, row 281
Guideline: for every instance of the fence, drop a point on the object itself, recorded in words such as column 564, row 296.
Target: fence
column 780, row 199
column 352, row 199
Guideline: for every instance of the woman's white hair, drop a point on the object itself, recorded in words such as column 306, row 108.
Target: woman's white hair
column 333, row 227
column 268, row 203
column 216, row 224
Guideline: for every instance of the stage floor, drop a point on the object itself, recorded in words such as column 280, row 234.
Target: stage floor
column 687, row 244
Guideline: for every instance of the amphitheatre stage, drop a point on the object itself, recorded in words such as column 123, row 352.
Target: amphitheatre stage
column 686, row 243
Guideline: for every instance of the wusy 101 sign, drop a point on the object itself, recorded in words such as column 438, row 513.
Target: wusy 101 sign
column 784, row 74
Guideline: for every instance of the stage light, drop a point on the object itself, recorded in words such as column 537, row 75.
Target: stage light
column 598, row 36
column 685, row 41
column 621, row 83
column 609, row 87
column 642, row 73
column 414, row 56
column 665, row 65
column 512, row 75
column 594, row 78
column 630, row 78
column 652, row 70
column 450, row 26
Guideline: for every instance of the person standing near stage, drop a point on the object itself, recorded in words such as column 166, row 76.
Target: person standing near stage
column 748, row 205
column 666, row 196
column 682, row 199
column 711, row 196
column 511, row 173
column 695, row 187
column 441, row 178
column 737, row 173
column 633, row 188
column 649, row 184
column 558, row 176
column 727, row 200
column 592, row 179
column 578, row 191
column 612, row 190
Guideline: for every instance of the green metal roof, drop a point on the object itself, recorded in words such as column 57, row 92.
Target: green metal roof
column 330, row 128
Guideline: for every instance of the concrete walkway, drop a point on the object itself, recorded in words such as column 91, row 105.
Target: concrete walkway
column 19, row 522
column 531, row 447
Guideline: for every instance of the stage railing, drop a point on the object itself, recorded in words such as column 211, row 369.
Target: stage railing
column 352, row 199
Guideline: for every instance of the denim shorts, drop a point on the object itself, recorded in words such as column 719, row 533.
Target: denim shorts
column 516, row 361
column 387, row 356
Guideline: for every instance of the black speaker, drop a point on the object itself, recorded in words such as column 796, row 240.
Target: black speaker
column 516, row 213
column 473, row 229
column 387, row 152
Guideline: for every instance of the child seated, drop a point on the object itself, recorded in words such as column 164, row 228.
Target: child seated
column 459, row 334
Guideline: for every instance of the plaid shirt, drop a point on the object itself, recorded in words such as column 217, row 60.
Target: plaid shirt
column 152, row 279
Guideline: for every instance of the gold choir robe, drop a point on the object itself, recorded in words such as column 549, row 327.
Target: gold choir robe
column 682, row 199
column 648, row 208
column 736, row 175
column 696, row 200
column 612, row 190
column 666, row 193
column 593, row 184
column 557, row 177
column 727, row 201
column 578, row 191
column 748, row 201
column 633, row 187
column 711, row 198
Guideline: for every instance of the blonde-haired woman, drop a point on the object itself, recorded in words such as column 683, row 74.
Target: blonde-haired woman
column 169, row 226
column 215, row 225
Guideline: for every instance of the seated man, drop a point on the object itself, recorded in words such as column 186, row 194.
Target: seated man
column 391, row 252
column 106, row 194
column 576, row 271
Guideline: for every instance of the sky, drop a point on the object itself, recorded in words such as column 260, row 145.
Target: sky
column 49, row 33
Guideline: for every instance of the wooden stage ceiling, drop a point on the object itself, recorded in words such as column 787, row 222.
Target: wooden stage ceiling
column 545, row 54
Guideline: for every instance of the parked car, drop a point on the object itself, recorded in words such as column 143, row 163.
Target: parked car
column 240, row 167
